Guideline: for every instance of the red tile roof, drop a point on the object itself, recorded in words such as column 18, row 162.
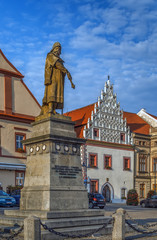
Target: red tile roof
column 81, row 115
column 136, row 123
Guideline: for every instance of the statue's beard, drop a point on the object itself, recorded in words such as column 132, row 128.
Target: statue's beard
column 57, row 53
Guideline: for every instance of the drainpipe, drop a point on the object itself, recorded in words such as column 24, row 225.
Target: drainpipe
column 134, row 169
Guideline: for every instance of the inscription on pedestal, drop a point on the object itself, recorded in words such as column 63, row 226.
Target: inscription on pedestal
column 67, row 172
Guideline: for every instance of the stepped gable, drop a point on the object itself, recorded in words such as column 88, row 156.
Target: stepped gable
column 106, row 122
column 106, row 112
column 105, row 117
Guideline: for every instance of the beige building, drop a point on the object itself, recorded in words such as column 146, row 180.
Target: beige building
column 144, row 128
column 18, row 108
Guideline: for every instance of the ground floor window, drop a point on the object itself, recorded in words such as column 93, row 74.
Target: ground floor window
column 142, row 190
column 123, row 193
column 19, row 178
column 154, row 164
column 94, row 186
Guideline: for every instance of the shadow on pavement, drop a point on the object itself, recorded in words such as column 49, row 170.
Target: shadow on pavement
column 143, row 236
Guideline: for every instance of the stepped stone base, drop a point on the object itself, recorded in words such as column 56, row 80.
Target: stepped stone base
column 55, row 214
column 68, row 222
column 74, row 222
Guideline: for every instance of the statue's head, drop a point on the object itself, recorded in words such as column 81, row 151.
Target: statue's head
column 56, row 48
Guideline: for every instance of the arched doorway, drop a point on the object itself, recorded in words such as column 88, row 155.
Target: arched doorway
column 106, row 193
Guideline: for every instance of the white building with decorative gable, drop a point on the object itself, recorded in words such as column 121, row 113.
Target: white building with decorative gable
column 108, row 156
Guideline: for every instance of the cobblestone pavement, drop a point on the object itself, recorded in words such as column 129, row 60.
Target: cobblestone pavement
column 130, row 236
column 142, row 215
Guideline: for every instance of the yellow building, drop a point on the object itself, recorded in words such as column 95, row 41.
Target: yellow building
column 18, row 108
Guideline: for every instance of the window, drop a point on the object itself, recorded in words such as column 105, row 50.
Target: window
column 142, row 190
column 142, row 163
column 107, row 161
column 122, row 137
column 136, row 142
column 96, row 132
column 144, row 143
column 19, row 178
column 123, row 193
column 93, row 160
column 126, row 163
column 94, row 185
column 18, row 144
column 154, row 164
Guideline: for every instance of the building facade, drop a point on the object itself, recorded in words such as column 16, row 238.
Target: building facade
column 108, row 155
column 18, row 109
column 146, row 155
column 113, row 135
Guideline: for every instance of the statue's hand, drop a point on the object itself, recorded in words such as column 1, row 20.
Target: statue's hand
column 73, row 85
column 69, row 75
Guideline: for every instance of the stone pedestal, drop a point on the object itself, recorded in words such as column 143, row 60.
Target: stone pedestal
column 53, row 179
column 54, row 189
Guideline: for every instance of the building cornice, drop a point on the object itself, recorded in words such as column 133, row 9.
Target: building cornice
column 109, row 145
column 16, row 117
column 10, row 73
column 139, row 135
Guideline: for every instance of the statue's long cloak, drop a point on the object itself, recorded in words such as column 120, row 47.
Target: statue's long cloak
column 54, row 80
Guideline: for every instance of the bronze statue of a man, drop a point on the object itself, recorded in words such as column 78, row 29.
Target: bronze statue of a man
column 54, row 81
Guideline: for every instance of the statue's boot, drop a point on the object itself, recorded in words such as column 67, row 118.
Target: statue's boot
column 52, row 107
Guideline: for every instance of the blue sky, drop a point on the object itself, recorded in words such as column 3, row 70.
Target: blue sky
column 98, row 38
